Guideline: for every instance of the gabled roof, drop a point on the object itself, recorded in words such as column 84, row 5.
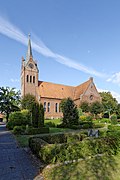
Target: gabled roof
column 59, row 91
column 81, row 88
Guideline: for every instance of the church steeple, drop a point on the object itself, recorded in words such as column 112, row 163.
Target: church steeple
column 29, row 51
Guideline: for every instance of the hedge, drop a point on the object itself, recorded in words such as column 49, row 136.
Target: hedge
column 33, row 131
column 74, row 148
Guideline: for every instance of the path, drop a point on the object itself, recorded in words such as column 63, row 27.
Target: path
column 15, row 163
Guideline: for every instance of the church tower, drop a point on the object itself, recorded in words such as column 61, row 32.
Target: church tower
column 29, row 73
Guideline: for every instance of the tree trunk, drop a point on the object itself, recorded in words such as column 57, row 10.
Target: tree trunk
column 7, row 117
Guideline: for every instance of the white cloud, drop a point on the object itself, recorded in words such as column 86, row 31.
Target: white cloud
column 11, row 31
column 14, row 80
column 114, row 94
column 115, row 78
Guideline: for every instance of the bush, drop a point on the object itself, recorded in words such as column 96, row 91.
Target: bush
column 83, row 118
column 50, row 124
column 18, row 129
column 113, row 119
column 19, row 118
column 99, row 125
column 114, row 128
column 33, row 131
column 74, row 148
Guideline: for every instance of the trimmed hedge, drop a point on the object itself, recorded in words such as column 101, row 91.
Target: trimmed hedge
column 19, row 129
column 33, row 131
column 114, row 127
column 75, row 149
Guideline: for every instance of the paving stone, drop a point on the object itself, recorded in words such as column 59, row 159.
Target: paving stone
column 15, row 162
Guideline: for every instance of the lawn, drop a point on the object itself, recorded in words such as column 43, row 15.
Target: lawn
column 99, row 167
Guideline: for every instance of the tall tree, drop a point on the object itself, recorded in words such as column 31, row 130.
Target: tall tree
column 70, row 112
column 9, row 100
column 109, row 103
column 27, row 102
column 96, row 108
column 85, row 107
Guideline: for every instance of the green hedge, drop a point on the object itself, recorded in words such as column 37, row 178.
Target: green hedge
column 75, row 147
column 99, row 125
column 32, row 131
column 19, row 129
column 114, row 127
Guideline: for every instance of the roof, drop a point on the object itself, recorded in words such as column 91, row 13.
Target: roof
column 59, row 91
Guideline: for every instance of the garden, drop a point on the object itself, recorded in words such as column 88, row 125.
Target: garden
column 84, row 144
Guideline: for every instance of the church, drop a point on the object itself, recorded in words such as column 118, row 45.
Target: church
column 51, row 94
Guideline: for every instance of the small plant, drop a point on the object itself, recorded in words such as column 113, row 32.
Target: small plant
column 113, row 119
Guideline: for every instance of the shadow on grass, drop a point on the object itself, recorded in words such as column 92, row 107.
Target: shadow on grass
column 96, row 168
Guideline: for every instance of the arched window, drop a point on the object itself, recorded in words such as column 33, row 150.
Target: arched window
column 48, row 107
column 56, row 107
column 33, row 79
column 30, row 79
column 45, row 106
column 27, row 78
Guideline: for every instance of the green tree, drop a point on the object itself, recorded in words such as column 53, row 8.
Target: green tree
column 27, row 102
column 70, row 112
column 9, row 100
column 41, row 116
column 85, row 107
column 96, row 108
column 109, row 103
column 35, row 114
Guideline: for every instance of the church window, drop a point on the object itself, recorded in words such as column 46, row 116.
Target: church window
column 33, row 79
column 30, row 79
column 48, row 106
column 56, row 107
column 27, row 78
column 45, row 106
column 91, row 97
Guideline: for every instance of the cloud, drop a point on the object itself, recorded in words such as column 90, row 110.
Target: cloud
column 115, row 78
column 11, row 31
column 114, row 94
column 14, row 80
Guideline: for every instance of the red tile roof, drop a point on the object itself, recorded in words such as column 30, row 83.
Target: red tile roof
column 59, row 91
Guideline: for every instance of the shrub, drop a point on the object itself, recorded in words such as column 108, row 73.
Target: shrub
column 33, row 131
column 114, row 127
column 113, row 119
column 86, row 126
column 83, row 118
column 50, row 124
column 19, row 118
column 99, row 125
column 18, row 129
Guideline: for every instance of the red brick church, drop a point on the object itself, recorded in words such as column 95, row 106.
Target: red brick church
column 51, row 94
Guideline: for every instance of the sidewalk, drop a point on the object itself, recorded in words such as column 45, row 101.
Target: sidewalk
column 15, row 163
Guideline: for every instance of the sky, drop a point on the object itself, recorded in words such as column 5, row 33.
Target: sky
column 72, row 40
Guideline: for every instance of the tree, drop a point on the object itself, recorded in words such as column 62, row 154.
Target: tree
column 41, row 116
column 9, row 100
column 96, row 108
column 70, row 112
column 85, row 107
column 27, row 102
column 35, row 114
column 109, row 103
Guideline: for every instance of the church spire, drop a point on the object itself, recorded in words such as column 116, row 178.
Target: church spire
column 29, row 51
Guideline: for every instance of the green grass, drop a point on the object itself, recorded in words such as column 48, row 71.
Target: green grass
column 100, row 167
column 57, row 130
column 55, row 121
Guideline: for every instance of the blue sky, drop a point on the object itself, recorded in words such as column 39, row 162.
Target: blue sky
column 72, row 40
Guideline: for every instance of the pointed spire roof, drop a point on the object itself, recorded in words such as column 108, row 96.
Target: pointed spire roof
column 29, row 51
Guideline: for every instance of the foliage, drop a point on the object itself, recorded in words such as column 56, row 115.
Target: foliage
column 83, row 118
column 114, row 119
column 41, row 116
column 109, row 103
column 19, row 118
column 96, row 108
column 27, row 102
column 99, row 125
column 18, row 129
column 35, row 114
column 41, row 130
column 75, row 148
column 85, row 106
column 70, row 112
column 9, row 100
